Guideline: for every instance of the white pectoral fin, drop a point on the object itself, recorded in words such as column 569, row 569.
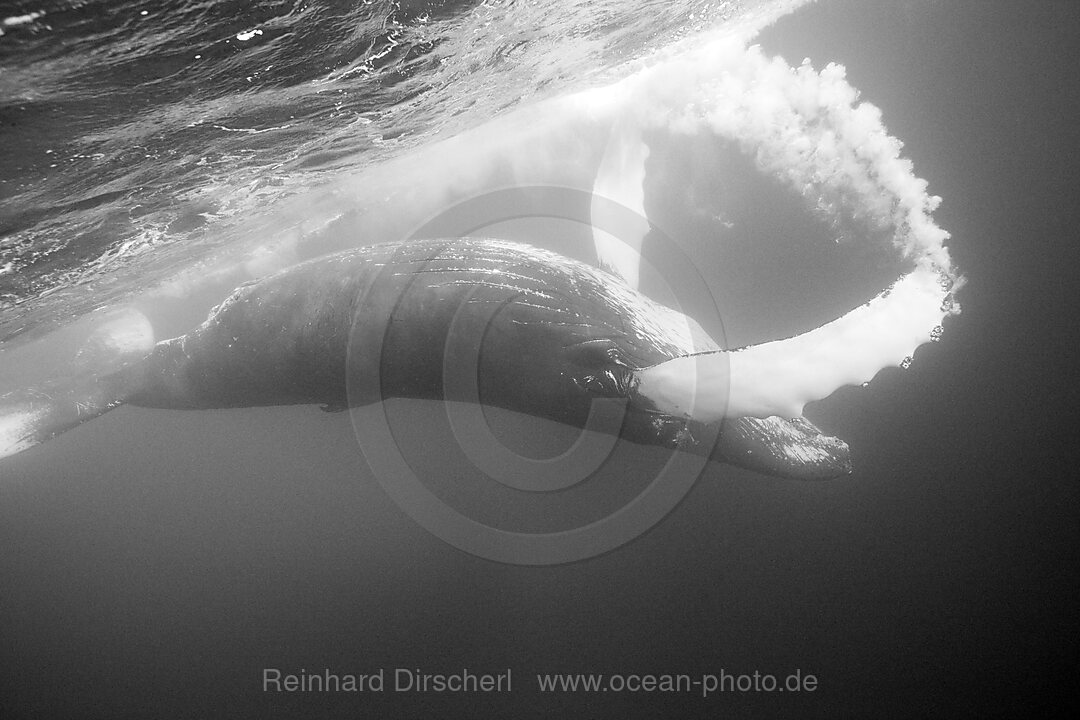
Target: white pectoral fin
column 618, row 205
column 779, row 378
column 692, row 386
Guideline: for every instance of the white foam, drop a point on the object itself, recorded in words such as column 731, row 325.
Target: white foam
column 26, row 19
column 621, row 178
column 805, row 127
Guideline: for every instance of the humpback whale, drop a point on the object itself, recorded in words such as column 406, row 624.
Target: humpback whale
column 556, row 336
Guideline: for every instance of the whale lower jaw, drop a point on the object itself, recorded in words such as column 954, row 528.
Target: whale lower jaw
column 795, row 449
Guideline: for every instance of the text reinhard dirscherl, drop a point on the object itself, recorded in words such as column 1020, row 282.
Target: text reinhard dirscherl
column 410, row 680
column 400, row 680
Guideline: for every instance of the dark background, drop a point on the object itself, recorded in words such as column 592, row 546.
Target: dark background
column 139, row 578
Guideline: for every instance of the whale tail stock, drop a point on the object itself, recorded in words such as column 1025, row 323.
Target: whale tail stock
column 106, row 371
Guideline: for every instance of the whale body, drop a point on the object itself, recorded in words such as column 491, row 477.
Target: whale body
column 546, row 336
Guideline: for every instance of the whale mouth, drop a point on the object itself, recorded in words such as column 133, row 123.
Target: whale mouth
column 794, row 449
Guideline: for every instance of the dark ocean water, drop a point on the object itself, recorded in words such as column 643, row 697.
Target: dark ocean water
column 152, row 563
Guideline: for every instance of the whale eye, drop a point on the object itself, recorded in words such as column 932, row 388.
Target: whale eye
column 592, row 353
